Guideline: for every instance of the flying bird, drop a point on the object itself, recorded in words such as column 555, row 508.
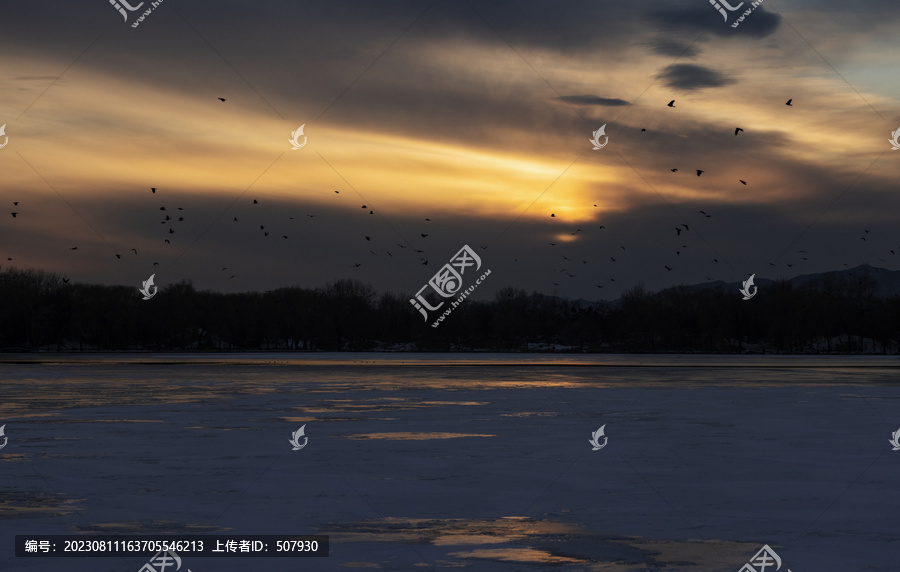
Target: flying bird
column 221, row 99
column 678, row 231
column 686, row 227
column 162, row 208
column 235, row 219
column 65, row 280
column 699, row 172
column 369, row 238
column 611, row 258
column 153, row 189
column 552, row 215
column 74, row 248
column 742, row 181
column 167, row 241
column 357, row 265
column 363, row 207
column 642, row 130
column 667, row 268
column 737, row 130
column 672, row 103
column 133, row 250
column 14, row 214
column 255, row 202
column 674, row 170
column 789, row 102
column 423, row 235
column 118, row 256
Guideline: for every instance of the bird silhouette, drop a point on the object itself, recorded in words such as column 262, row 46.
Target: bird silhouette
column 428, row 219
column 737, row 130
column 789, row 102
column 262, row 227
column 677, row 253
column 167, row 217
column 611, row 258
column 577, row 230
column 134, row 250
column 674, row 170
column 153, row 189
column 770, row 264
column 235, row 219
column 703, row 213
column 686, row 227
column 74, row 248
column 862, row 238
column 678, row 231
column 672, row 103
column 357, row 265
column 602, row 227
column 284, row 236
column 866, row 231
column 162, row 208
column 552, row 215
column 642, row 130
column 423, row 235
column 363, row 207
column 483, row 247
column 667, row 268
column 171, row 231
column 255, row 202
column 552, row 243
column 699, row 172
column 156, row 264
column 167, row 241
column 267, row 234
column 221, row 99
column 65, row 280
column 337, row 192
column 369, row 238
column 742, row 181
column 16, row 203
column 118, row 256
column 311, row 215
column 14, row 214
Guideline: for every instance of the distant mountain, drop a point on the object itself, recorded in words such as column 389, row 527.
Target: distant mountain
column 886, row 282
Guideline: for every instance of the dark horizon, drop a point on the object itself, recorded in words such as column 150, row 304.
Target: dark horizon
column 851, row 311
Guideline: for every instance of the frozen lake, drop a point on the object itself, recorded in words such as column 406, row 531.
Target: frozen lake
column 472, row 461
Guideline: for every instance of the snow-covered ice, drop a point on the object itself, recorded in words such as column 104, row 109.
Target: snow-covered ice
column 418, row 462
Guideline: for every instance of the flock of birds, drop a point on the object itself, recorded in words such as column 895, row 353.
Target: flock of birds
column 679, row 228
column 171, row 221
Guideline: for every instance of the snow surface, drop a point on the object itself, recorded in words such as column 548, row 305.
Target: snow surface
column 480, row 462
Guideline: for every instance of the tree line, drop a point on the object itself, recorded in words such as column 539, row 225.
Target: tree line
column 40, row 312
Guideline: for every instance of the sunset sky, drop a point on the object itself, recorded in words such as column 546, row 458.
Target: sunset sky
column 476, row 115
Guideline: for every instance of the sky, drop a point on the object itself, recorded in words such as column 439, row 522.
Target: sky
column 433, row 125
